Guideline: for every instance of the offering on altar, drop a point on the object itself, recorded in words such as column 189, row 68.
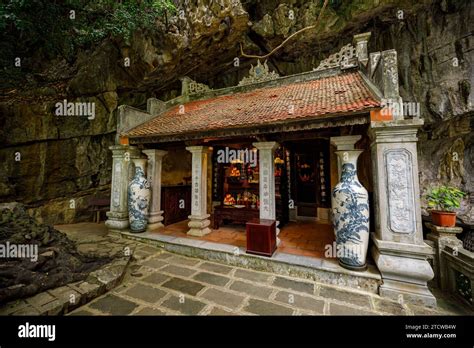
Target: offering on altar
column 229, row 200
column 234, row 171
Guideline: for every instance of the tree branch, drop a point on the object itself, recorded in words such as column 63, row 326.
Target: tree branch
column 243, row 54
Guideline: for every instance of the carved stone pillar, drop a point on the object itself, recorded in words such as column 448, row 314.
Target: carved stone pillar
column 399, row 250
column 344, row 143
column 267, row 181
column 360, row 41
column 199, row 219
column 155, row 160
column 390, row 84
column 122, row 156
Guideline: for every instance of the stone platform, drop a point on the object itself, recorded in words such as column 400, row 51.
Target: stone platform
column 320, row 270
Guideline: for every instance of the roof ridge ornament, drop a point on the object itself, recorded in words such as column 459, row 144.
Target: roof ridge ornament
column 345, row 58
column 191, row 87
column 259, row 73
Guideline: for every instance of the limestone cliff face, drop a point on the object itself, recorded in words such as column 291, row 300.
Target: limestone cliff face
column 67, row 158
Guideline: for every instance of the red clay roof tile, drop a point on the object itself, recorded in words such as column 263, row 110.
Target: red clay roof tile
column 339, row 94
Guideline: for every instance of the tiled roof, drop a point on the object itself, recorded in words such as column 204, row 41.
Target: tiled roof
column 329, row 96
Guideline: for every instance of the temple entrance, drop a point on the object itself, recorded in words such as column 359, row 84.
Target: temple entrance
column 301, row 173
column 311, row 178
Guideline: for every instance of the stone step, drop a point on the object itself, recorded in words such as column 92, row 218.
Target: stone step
column 320, row 270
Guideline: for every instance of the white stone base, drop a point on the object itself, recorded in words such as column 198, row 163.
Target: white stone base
column 405, row 271
column 198, row 225
column 278, row 240
column 117, row 223
column 412, row 293
column 292, row 214
column 154, row 227
column 155, row 221
column 324, row 214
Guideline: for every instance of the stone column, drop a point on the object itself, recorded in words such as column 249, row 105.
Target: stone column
column 360, row 41
column 267, row 182
column 390, row 85
column 267, row 179
column 155, row 160
column 443, row 236
column 344, row 143
column 399, row 250
column 122, row 156
column 199, row 219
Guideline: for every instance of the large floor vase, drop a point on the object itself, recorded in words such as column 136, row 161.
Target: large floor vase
column 350, row 210
column 138, row 198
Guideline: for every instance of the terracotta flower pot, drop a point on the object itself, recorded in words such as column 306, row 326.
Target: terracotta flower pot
column 443, row 218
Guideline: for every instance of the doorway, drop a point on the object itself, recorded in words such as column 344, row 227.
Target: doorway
column 311, row 178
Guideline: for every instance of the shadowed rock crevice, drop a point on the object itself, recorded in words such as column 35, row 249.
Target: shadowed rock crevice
column 52, row 260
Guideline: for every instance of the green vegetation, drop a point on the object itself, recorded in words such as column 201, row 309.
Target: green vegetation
column 445, row 198
column 47, row 28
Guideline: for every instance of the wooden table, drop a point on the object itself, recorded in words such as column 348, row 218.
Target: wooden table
column 261, row 237
column 241, row 215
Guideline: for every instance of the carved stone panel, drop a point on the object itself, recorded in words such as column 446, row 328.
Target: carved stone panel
column 117, row 185
column 196, row 188
column 400, row 191
column 374, row 61
column 197, row 88
column 390, row 74
column 267, row 179
column 191, row 87
column 265, row 195
column 345, row 58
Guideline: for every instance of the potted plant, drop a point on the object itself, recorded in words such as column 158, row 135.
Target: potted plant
column 444, row 200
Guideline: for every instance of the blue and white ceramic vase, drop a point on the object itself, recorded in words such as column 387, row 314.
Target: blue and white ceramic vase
column 138, row 198
column 350, row 213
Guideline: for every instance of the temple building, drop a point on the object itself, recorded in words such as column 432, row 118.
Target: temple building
column 272, row 148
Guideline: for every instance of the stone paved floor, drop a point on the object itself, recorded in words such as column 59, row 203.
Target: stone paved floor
column 162, row 283
column 308, row 238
